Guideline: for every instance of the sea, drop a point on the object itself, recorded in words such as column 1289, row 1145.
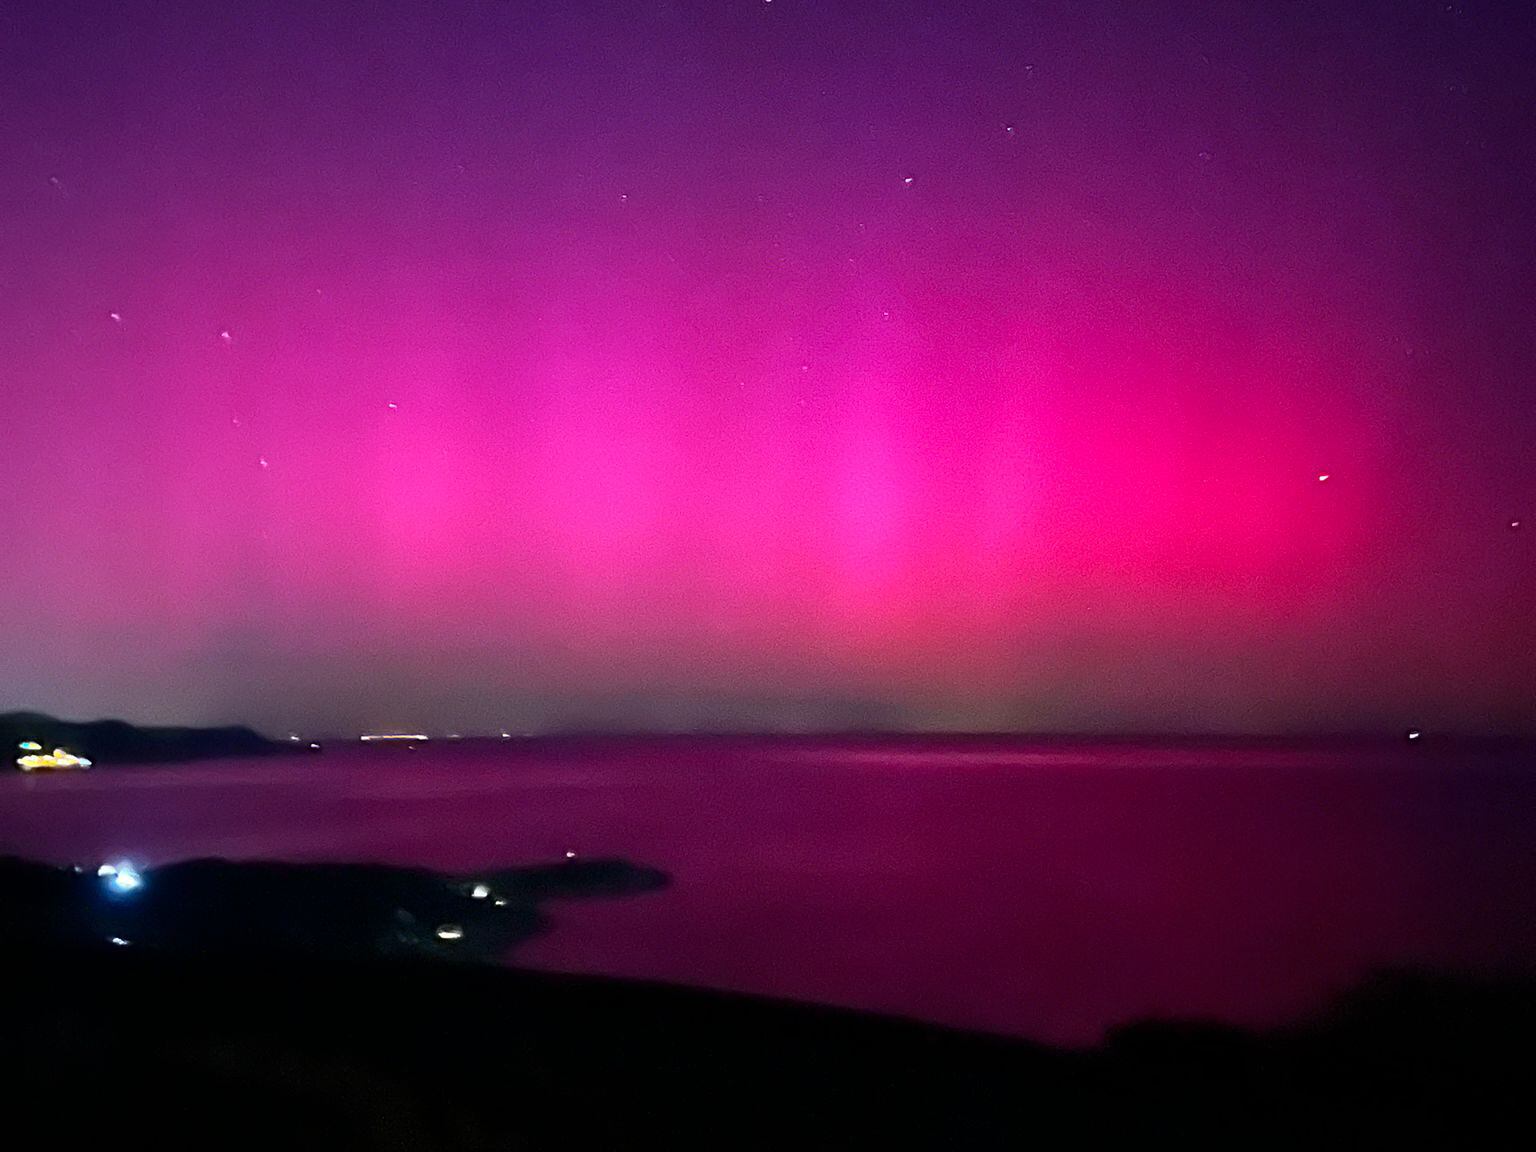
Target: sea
column 1044, row 889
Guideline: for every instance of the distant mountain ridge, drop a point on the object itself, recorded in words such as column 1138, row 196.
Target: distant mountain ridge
column 109, row 742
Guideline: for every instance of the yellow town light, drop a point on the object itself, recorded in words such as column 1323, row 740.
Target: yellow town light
column 59, row 758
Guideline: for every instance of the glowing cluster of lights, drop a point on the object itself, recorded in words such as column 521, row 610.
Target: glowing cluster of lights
column 36, row 758
column 416, row 736
column 121, row 877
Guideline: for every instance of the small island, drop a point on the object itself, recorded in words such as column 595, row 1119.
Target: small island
column 84, row 743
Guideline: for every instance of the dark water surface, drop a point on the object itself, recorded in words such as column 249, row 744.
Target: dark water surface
column 1044, row 890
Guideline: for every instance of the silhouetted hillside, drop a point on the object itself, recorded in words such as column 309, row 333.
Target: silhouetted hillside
column 253, row 1003
column 109, row 742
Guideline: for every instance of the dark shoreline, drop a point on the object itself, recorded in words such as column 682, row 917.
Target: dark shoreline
column 272, row 1000
column 109, row 742
column 113, row 741
column 967, row 741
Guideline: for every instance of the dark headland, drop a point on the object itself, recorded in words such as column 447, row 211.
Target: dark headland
column 108, row 742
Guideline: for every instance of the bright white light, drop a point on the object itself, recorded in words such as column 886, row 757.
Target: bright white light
column 393, row 736
column 449, row 932
column 118, row 940
column 123, row 878
column 106, row 870
column 315, row 746
column 31, row 746
column 499, row 902
column 480, row 891
column 1321, row 476
column 1414, row 734
column 570, row 855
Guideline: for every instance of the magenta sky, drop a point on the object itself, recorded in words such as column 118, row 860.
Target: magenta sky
column 461, row 365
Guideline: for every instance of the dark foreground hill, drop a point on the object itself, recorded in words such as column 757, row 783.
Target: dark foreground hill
column 219, row 1038
column 262, row 1050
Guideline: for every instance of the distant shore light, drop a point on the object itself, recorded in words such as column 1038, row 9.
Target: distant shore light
column 123, row 877
column 58, row 758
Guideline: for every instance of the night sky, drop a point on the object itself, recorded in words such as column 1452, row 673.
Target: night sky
column 514, row 363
